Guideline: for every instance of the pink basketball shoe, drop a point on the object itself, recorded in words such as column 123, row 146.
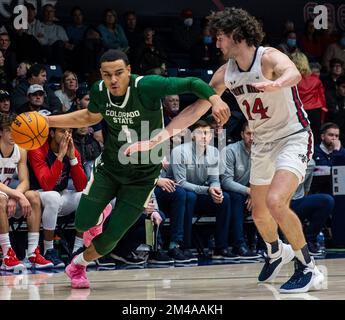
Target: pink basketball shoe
column 97, row 229
column 77, row 274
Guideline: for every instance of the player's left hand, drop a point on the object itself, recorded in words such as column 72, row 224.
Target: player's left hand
column 11, row 207
column 267, row 86
column 70, row 149
column 220, row 110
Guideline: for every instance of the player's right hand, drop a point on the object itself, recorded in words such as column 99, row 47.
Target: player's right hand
column 216, row 194
column 220, row 110
column 25, row 205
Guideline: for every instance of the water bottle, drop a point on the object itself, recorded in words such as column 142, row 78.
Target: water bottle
column 321, row 241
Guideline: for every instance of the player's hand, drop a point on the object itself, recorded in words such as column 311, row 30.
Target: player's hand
column 139, row 146
column 217, row 194
column 11, row 207
column 26, row 206
column 220, row 110
column 150, row 208
column 267, row 86
column 156, row 218
column 165, row 164
column 166, row 184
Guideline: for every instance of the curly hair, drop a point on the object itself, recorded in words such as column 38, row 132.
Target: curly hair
column 240, row 23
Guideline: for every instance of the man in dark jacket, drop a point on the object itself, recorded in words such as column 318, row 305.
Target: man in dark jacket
column 37, row 74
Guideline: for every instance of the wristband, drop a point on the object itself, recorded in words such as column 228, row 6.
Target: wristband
column 73, row 162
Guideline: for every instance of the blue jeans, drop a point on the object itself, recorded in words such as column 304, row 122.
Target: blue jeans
column 316, row 208
column 237, row 201
column 173, row 205
column 202, row 204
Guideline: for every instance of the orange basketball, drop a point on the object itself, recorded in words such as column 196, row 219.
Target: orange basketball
column 30, row 130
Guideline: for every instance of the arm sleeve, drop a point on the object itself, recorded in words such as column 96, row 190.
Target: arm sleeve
column 155, row 87
column 46, row 177
column 228, row 182
column 78, row 174
column 180, row 173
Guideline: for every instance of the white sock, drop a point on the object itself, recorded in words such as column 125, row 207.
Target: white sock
column 5, row 243
column 79, row 259
column 78, row 243
column 274, row 249
column 33, row 238
column 48, row 244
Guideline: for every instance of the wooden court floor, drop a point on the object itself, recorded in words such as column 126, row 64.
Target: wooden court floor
column 235, row 281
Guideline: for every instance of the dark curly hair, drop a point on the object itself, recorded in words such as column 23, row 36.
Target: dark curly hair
column 239, row 22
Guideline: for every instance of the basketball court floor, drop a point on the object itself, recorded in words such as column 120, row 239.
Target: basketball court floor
column 204, row 282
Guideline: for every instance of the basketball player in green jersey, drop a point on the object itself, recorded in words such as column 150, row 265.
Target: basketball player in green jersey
column 131, row 107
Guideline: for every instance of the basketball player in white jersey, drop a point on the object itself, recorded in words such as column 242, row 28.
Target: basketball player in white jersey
column 17, row 202
column 264, row 81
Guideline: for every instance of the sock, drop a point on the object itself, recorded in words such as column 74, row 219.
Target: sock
column 274, row 249
column 78, row 243
column 304, row 256
column 33, row 238
column 79, row 259
column 173, row 245
column 5, row 243
column 48, row 244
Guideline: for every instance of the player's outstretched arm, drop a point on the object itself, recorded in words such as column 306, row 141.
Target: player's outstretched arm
column 77, row 119
column 283, row 72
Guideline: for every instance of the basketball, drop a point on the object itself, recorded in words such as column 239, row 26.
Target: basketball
column 30, row 130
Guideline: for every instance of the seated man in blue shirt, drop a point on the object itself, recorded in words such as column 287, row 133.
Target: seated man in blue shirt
column 195, row 167
column 235, row 181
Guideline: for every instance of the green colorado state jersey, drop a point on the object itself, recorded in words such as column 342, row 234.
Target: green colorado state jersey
column 138, row 116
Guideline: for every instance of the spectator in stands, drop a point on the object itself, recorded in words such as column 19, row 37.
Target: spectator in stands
column 329, row 35
column 171, row 108
column 289, row 45
column 18, row 202
column 311, row 92
column 25, row 46
column 195, row 167
column 204, row 54
column 134, row 33
column 113, row 36
column 36, row 101
column 76, row 30
column 310, row 42
column 315, row 208
column 329, row 152
column 4, row 82
column 88, row 147
column 185, row 32
column 315, row 68
column 58, row 43
column 9, row 55
column 235, row 181
column 37, row 74
column 50, row 168
column 35, row 27
column 67, row 93
column 22, row 71
column 81, row 101
column 336, row 69
column 335, row 50
column 5, row 102
column 336, row 105
column 150, row 57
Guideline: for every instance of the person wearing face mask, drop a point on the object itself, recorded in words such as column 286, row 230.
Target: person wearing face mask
column 185, row 32
column 203, row 54
column 335, row 50
column 289, row 46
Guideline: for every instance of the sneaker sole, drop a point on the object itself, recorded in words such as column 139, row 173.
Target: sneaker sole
column 315, row 283
column 160, row 262
column 46, row 266
column 126, row 261
column 284, row 261
column 224, row 258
